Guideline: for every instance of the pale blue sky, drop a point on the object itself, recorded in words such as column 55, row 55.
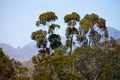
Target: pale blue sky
column 18, row 17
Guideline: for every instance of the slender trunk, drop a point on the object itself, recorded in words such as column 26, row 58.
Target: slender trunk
column 71, row 44
column 97, row 75
column 99, row 72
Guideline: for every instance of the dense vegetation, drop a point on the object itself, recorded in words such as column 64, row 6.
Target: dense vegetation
column 11, row 69
column 6, row 69
column 85, row 63
column 91, row 60
column 95, row 57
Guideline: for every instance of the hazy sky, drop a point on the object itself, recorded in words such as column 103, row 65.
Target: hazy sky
column 18, row 17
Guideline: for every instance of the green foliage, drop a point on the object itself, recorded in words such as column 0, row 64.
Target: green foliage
column 58, row 67
column 60, row 50
column 44, row 77
column 55, row 41
column 89, row 21
column 94, row 18
column 68, row 43
column 70, row 17
column 40, row 37
column 80, row 38
column 52, row 28
column 109, row 69
column 71, row 20
column 85, row 25
column 46, row 17
column 96, row 38
column 101, row 23
column 34, row 60
column 70, row 31
column 74, row 76
column 6, row 67
column 84, row 63
column 106, row 33
column 93, row 63
column 20, row 72
column 20, row 78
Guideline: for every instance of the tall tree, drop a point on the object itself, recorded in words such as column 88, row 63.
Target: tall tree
column 88, row 32
column 71, row 20
column 48, row 19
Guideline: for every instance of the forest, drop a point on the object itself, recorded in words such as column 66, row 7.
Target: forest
column 95, row 57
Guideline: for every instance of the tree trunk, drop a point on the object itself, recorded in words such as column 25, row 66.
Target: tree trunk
column 99, row 72
column 97, row 75
column 71, row 44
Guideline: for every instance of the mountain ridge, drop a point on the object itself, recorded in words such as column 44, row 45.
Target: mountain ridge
column 113, row 32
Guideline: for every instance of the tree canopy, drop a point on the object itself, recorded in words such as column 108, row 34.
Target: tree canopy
column 92, row 60
column 71, row 20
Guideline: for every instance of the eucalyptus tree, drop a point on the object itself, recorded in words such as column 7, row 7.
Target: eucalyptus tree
column 92, row 29
column 71, row 20
column 48, row 19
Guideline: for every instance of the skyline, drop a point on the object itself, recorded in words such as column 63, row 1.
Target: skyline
column 18, row 17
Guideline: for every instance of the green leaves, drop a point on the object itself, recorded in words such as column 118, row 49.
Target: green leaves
column 6, row 66
column 70, row 31
column 70, row 17
column 96, row 38
column 96, row 64
column 86, row 60
column 47, row 17
column 106, row 33
column 61, row 50
column 101, row 23
column 80, row 38
column 71, row 20
column 88, row 22
column 52, row 28
column 38, row 35
column 84, row 63
column 85, row 25
column 55, row 40
column 68, row 43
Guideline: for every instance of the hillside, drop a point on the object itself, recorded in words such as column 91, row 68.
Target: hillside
column 113, row 32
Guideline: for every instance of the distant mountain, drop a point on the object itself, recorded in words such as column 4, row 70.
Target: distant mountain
column 30, row 49
column 11, row 52
column 21, row 54
column 114, row 32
